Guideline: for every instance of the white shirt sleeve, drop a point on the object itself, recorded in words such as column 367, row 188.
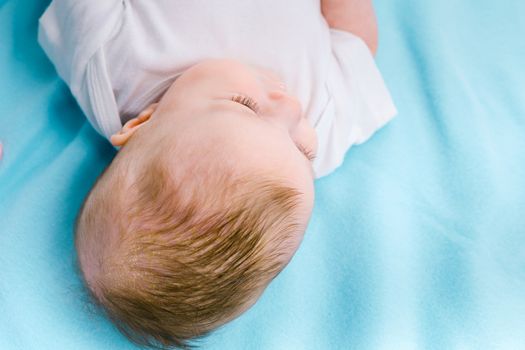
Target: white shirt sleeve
column 360, row 103
column 72, row 33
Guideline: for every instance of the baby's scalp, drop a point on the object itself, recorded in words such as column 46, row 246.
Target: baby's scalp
column 170, row 254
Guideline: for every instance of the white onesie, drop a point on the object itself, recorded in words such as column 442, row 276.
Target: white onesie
column 119, row 56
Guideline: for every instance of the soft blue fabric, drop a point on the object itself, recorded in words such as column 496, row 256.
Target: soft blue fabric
column 416, row 242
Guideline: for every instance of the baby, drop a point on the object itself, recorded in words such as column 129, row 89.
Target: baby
column 223, row 113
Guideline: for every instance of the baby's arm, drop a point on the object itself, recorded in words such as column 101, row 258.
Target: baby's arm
column 355, row 16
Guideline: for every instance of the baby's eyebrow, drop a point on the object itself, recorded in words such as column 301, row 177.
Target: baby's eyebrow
column 311, row 170
column 310, row 166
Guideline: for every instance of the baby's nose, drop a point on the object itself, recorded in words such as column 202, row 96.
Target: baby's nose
column 287, row 104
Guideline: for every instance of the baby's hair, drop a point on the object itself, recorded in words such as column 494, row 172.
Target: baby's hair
column 168, row 267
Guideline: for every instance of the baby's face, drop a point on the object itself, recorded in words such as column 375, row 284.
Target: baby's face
column 243, row 115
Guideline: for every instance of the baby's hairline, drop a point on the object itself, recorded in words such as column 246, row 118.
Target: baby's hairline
column 99, row 182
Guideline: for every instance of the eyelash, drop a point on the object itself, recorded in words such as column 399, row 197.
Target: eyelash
column 247, row 101
column 251, row 104
column 309, row 154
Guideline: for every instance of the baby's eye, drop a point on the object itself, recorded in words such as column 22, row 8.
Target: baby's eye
column 309, row 154
column 251, row 104
column 246, row 101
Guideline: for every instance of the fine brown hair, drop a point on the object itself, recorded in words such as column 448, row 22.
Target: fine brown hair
column 168, row 267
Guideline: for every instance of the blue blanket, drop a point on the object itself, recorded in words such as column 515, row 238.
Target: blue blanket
column 416, row 242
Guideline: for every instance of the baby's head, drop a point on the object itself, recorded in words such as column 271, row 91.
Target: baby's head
column 204, row 204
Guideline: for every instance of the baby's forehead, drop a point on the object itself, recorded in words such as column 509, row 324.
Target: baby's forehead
column 211, row 170
column 206, row 155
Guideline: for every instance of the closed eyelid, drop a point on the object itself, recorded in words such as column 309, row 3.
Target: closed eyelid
column 308, row 154
column 246, row 101
column 250, row 103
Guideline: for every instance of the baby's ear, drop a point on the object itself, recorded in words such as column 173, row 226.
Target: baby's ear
column 119, row 139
